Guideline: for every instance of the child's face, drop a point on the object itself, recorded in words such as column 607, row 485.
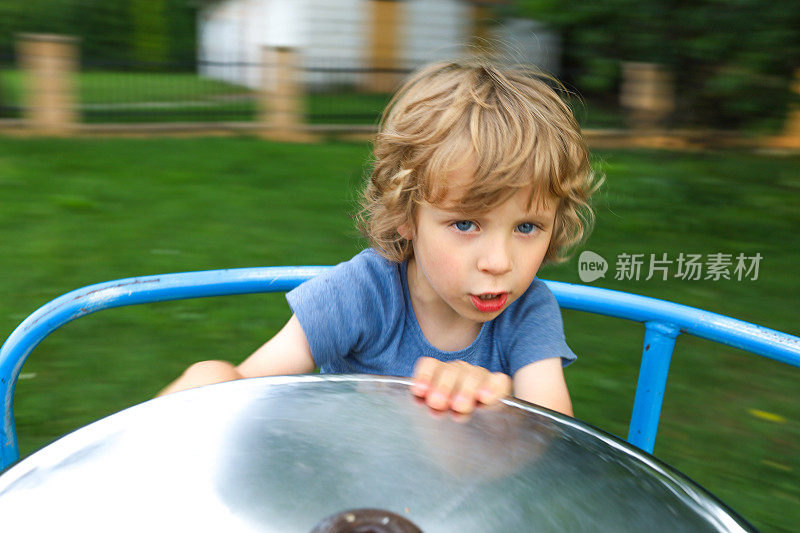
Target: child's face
column 476, row 265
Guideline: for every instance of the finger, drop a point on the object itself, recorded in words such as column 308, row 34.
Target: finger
column 465, row 395
column 496, row 386
column 444, row 381
column 424, row 370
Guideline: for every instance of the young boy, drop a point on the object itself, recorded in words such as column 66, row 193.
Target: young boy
column 481, row 174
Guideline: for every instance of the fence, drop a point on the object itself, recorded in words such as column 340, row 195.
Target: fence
column 51, row 91
column 54, row 92
column 162, row 92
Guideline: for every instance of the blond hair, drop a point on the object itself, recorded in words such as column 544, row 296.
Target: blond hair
column 516, row 128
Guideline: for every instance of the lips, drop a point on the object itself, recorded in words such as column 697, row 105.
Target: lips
column 489, row 302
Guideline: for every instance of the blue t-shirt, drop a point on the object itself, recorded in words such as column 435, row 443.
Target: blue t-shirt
column 358, row 318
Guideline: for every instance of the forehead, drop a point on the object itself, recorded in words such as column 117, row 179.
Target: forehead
column 458, row 191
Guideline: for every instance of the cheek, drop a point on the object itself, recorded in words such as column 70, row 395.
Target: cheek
column 533, row 261
column 441, row 264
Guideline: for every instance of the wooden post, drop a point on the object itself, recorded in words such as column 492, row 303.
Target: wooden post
column 281, row 96
column 49, row 63
column 480, row 36
column 647, row 94
column 791, row 131
column 383, row 45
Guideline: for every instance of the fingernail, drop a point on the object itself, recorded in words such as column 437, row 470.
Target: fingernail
column 419, row 388
column 460, row 403
column 437, row 398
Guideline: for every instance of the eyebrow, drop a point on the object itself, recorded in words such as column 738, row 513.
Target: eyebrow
column 541, row 222
column 536, row 218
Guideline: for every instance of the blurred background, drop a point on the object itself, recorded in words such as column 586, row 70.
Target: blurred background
column 703, row 64
column 148, row 136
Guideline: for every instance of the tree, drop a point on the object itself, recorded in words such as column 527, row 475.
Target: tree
column 110, row 32
column 733, row 60
column 149, row 41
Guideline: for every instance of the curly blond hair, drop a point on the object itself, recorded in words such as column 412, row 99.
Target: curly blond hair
column 513, row 125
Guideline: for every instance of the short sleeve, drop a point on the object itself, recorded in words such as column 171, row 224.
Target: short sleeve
column 342, row 310
column 531, row 329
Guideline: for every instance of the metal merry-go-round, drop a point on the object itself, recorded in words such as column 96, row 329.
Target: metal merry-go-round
column 339, row 453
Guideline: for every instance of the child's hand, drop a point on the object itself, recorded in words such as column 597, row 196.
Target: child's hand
column 457, row 385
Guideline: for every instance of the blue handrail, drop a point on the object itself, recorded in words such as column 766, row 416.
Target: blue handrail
column 663, row 320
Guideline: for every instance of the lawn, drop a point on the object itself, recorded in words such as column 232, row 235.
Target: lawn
column 135, row 97
column 79, row 212
column 103, row 87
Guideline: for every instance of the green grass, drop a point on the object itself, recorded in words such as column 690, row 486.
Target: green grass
column 123, row 97
column 10, row 86
column 597, row 115
column 363, row 108
column 100, row 87
column 137, row 97
column 76, row 212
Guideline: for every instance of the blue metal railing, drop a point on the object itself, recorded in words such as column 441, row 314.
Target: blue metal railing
column 663, row 321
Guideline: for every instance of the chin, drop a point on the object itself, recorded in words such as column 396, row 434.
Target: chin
column 485, row 317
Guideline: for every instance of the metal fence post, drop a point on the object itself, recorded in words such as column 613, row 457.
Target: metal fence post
column 49, row 63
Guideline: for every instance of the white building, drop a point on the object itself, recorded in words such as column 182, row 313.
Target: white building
column 355, row 35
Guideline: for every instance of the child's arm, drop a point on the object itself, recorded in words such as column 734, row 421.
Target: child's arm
column 458, row 385
column 543, row 383
column 285, row 353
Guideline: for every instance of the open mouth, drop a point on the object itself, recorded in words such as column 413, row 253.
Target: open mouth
column 489, row 302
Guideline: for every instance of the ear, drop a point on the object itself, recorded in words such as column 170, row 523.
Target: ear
column 406, row 231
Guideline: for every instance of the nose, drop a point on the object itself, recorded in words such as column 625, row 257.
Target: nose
column 495, row 257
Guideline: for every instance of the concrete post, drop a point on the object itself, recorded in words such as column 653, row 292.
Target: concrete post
column 281, row 96
column 647, row 94
column 49, row 63
column 383, row 45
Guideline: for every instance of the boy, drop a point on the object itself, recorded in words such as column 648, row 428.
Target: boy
column 481, row 174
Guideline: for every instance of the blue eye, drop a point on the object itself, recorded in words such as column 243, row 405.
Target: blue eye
column 464, row 225
column 526, row 228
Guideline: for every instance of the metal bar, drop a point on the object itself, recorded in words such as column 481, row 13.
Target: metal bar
column 750, row 337
column 119, row 293
column 659, row 342
column 712, row 326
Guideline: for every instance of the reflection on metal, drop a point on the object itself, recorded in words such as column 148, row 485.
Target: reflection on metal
column 366, row 521
column 285, row 453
